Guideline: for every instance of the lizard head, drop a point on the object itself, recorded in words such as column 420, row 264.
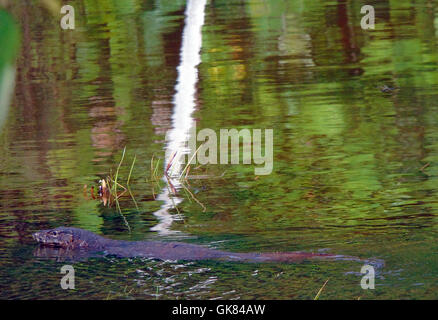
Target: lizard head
column 61, row 237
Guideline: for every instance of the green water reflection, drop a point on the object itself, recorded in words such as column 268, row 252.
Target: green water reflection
column 355, row 170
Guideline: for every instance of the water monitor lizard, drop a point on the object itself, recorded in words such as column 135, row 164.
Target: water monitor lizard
column 71, row 239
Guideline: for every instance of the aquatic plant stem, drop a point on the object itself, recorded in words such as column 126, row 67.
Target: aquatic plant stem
column 320, row 290
column 117, row 172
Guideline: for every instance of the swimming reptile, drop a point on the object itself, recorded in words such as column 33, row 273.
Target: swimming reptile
column 83, row 241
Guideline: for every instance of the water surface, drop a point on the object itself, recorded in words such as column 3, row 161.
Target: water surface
column 355, row 170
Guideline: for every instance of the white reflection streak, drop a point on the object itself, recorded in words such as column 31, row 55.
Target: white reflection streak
column 182, row 121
